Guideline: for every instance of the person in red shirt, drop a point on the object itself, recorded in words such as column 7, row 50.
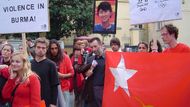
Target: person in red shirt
column 23, row 86
column 169, row 34
column 77, row 82
column 64, row 66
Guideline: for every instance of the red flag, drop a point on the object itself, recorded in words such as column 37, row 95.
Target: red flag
column 147, row 80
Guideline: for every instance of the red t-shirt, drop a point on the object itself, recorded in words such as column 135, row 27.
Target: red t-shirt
column 65, row 67
column 26, row 94
column 79, row 77
column 180, row 48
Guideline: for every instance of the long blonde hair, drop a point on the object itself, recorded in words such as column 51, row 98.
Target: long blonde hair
column 26, row 66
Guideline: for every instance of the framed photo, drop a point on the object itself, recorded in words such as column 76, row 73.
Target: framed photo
column 105, row 16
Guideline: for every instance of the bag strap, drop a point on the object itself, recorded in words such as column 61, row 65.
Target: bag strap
column 13, row 92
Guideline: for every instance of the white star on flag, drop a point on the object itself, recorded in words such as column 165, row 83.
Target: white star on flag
column 121, row 75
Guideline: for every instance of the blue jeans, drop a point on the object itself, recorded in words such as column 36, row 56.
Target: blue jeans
column 72, row 99
column 60, row 100
column 66, row 95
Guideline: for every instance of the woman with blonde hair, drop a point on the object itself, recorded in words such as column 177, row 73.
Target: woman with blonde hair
column 22, row 88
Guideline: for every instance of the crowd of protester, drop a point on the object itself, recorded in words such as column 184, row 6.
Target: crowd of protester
column 49, row 75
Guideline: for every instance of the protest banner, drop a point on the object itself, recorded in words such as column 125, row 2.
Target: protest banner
column 22, row 16
column 146, row 11
column 146, row 80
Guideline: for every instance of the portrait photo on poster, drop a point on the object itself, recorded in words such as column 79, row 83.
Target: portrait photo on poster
column 105, row 16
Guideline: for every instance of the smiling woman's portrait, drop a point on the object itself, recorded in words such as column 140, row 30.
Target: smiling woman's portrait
column 105, row 17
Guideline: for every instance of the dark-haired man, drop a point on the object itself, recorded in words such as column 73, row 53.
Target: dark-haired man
column 95, row 72
column 115, row 45
column 46, row 70
column 169, row 35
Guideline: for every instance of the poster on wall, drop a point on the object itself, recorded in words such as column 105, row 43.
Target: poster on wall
column 105, row 16
column 146, row 11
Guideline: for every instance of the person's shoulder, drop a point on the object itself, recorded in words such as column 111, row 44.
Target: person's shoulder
column 180, row 48
column 33, row 76
column 49, row 62
column 65, row 55
column 184, row 47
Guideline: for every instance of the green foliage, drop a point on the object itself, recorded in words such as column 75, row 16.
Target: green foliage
column 68, row 16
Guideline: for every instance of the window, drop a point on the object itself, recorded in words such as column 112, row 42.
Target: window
column 138, row 26
column 183, row 1
column 159, row 26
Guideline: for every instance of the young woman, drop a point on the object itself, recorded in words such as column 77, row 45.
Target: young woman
column 142, row 47
column 22, row 88
column 157, row 48
column 6, row 52
column 65, row 70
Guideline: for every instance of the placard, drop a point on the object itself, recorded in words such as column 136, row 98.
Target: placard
column 145, row 11
column 22, row 16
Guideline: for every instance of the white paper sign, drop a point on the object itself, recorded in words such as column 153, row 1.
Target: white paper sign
column 22, row 16
column 145, row 11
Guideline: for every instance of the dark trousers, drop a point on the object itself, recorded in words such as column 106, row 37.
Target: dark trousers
column 98, row 94
column 5, row 105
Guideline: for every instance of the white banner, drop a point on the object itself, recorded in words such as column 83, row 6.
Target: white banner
column 22, row 16
column 145, row 11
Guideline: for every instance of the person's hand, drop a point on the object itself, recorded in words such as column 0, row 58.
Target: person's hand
column 61, row 76
column 51, row 105
column 12, row 74
column 94, row 63
column 82, row 51
column 89, row 73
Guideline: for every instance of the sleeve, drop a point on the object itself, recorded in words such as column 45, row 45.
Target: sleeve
column 35, row 96
column 85, row 67
column 8, row 88
column 54, row 95
column 5, row 72
column 69, row 65
column 54, row 81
